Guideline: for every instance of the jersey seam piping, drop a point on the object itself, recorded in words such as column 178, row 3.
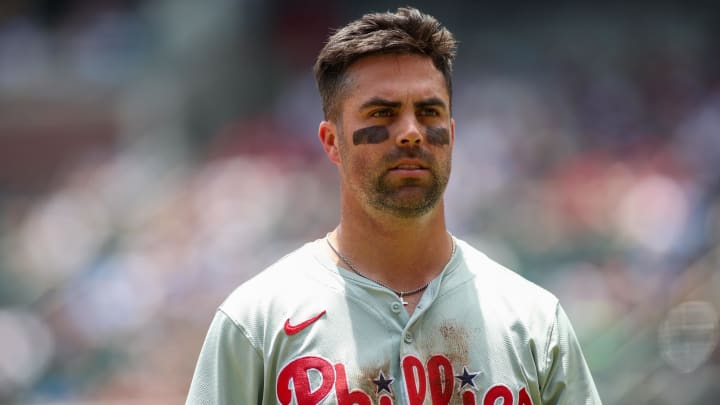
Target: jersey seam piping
column 244, row 332
column 548, row 340
column 458, row 286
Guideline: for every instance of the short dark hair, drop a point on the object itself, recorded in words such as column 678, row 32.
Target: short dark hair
column 407, row 31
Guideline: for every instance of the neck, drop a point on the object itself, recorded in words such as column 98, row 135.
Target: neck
column 403, row 253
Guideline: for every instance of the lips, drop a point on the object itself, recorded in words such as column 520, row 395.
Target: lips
column 407, row 170
column 408, row 165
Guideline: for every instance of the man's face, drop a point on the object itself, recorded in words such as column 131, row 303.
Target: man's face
column 395, row 134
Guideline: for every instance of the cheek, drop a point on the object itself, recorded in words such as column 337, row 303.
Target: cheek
column 371, row 135
column 353, row 162
column 356, row 159
column 438, row 136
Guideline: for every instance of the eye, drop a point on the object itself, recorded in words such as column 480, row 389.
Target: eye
column 429, row 112
column 383, row 113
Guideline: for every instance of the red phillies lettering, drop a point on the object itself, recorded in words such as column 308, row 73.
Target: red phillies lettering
column 468, row 398
column 496, row 392
column 297, row 372
column 343, row 393
column 437, row 377
column 441, row 379
column 414, row 374
column 385, row 400
column 524, row 397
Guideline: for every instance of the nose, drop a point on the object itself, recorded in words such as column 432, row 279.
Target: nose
column 410, row 132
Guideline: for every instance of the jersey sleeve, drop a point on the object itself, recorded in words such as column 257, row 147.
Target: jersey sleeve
column 566, row 376
column 229, row 369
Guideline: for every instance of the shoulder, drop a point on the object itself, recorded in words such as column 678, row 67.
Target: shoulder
column 282, row 281
column 493, row 276
column 270, row 296
column 504, row 291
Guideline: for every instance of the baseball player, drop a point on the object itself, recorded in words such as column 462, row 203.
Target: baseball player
column 389, row 308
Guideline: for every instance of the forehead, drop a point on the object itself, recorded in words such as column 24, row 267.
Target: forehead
column 394, row 77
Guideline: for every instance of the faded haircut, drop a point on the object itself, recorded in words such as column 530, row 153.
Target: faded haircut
column 407, row 31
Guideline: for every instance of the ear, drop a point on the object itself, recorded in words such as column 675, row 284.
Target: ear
column 452, row 131
column 328, row 134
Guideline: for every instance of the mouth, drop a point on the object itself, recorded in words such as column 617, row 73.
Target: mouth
column 409, row 170
column 405, row 165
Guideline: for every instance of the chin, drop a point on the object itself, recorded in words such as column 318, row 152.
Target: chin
column 407, row 207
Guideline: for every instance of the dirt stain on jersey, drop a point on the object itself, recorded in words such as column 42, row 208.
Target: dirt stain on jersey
column 455, row 341
column 369, row 374
column 456, row 346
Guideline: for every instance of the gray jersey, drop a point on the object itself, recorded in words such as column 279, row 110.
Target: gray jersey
column 306, row 331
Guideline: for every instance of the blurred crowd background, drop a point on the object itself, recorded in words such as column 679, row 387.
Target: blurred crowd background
column 154, row 154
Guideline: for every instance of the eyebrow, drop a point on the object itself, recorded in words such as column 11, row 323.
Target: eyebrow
column 381, row 102
column 431, row 102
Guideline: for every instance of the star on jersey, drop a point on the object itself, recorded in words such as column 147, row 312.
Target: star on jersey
column 467, row 378
column 383, row 384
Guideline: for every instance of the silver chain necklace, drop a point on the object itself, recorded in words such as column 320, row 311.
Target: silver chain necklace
column 399, row 293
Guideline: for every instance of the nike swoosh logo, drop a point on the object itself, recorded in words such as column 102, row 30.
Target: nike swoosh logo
column 293, row 329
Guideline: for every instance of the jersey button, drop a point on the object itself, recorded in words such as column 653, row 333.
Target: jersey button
column 396, row 307
column 408, row 337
